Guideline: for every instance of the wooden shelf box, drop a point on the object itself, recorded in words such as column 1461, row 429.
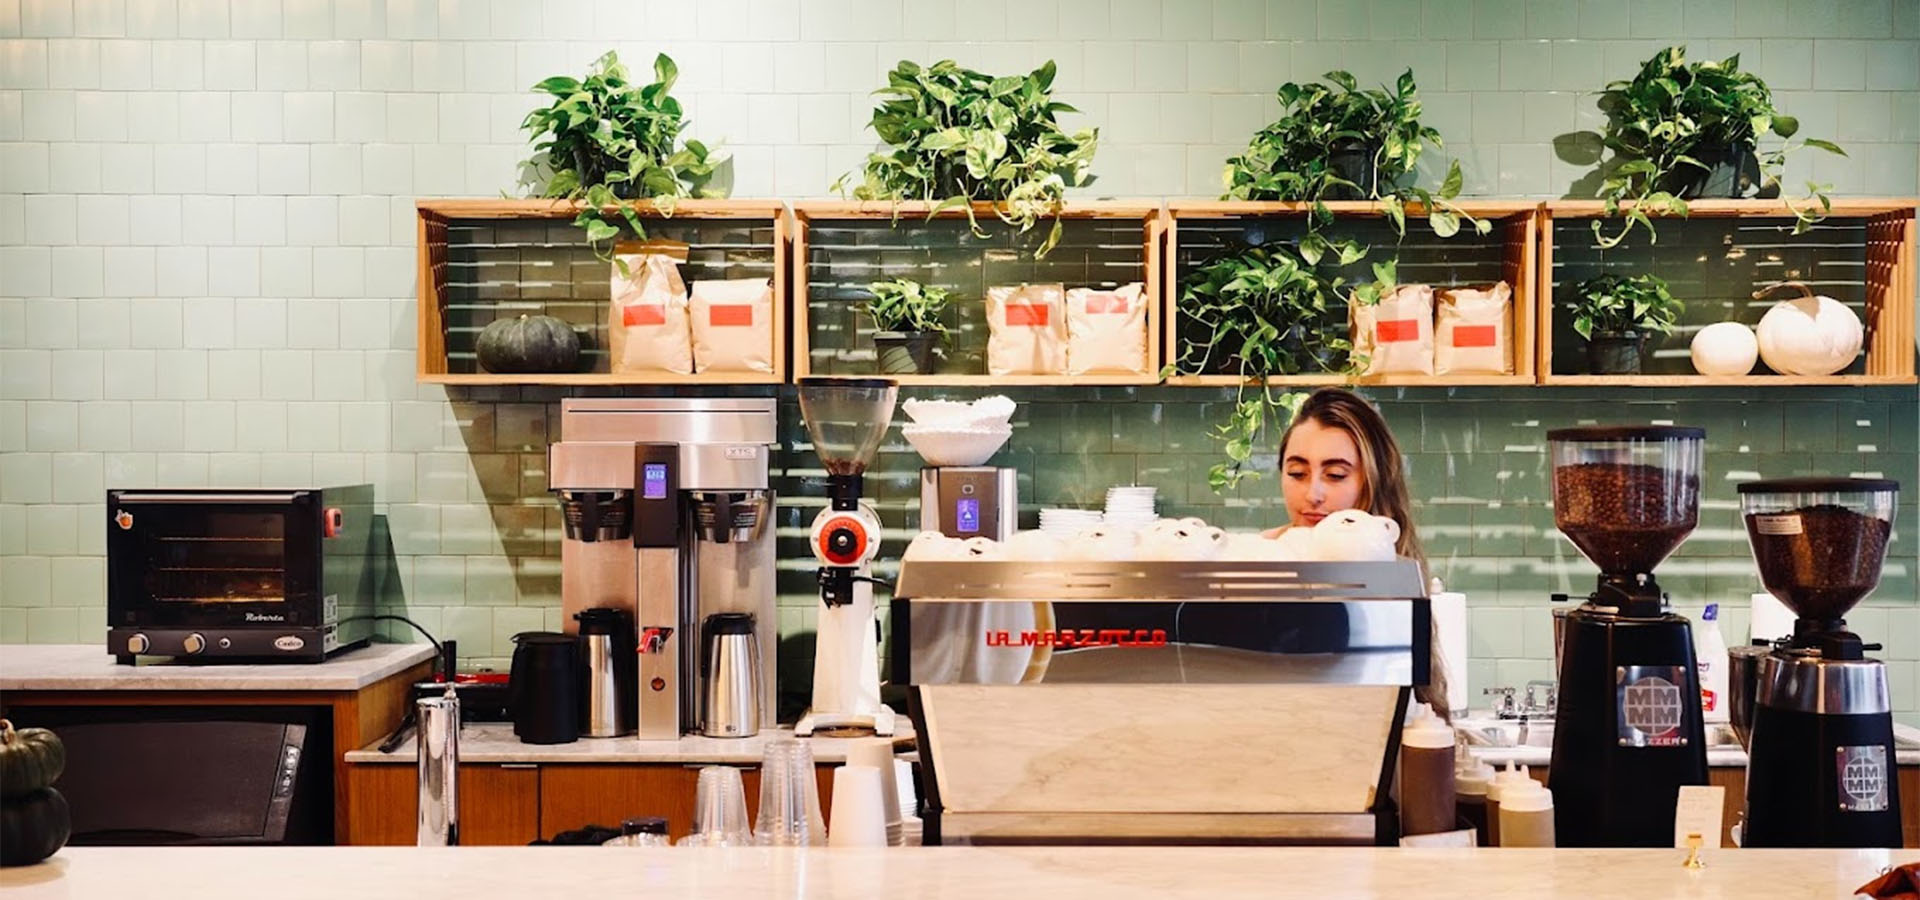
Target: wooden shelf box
column 1862, row 254
column 486, row 259
column 840, row 248
column 1198, row 231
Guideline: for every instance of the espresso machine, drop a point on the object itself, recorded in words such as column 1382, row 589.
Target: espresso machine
column 665, row 506
column 846, row 419
column 1627, row 730
column 1820, row 764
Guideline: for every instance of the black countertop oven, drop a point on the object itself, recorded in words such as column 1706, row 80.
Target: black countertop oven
column 240, row 575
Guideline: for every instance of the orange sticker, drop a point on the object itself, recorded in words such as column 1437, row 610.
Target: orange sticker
column 1475, row 335
column 1027, row 314
column 644, row 314
column 730, row 314
column 1397, row 331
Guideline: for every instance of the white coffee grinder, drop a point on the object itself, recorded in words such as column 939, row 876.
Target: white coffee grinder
column 846, row 419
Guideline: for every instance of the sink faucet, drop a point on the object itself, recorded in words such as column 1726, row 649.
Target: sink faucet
column 1537, row 707
column 1503, row 707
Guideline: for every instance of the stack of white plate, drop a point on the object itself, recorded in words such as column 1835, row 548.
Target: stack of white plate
column 1063, row 521
column 1130, row 506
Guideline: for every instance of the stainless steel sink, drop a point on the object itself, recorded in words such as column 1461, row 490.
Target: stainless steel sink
column 1492, row 732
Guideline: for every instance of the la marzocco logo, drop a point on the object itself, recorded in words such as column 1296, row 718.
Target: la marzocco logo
column 265, row 617
column 1084, row 637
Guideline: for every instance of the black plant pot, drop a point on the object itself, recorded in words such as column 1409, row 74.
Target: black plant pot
column 1615, row 354
column 1731, row 173
column 1353, row 161
column 905, row 352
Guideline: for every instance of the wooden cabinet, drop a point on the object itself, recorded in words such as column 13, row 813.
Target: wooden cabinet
column 517, row 803
column 499, row 804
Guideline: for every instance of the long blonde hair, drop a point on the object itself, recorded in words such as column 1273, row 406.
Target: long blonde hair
column 1383, row 492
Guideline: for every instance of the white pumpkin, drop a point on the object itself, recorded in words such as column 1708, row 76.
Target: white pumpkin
column 1725, row 348
column 1810, row 335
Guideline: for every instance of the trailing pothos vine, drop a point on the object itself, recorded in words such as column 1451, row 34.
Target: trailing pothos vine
column 607, row 143
column 1267, row 311
column 956, row 136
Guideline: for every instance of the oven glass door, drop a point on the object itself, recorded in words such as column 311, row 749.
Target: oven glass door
column 211, row 560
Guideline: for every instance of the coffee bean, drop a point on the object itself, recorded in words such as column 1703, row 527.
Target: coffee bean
column 1830, row 558
column 1626, row 518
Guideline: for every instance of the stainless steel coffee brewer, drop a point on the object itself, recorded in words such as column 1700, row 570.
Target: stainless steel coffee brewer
column 665, row 505
column 1820, row 764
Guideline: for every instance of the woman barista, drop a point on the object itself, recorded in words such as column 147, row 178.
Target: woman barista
column 1337, row 454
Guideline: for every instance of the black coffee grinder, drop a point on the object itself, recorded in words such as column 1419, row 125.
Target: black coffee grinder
column 1627, row 733
column 1820, row 767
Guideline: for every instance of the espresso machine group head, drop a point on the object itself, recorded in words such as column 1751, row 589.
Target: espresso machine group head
column 1627, row 729
column 1820, row 763
column 846, row 419
column 665, row 504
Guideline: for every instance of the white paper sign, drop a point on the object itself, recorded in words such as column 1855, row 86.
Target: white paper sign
column 1698, row 812
column 1465, row 837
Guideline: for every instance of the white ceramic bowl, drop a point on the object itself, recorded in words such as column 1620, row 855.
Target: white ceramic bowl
column 956, row 446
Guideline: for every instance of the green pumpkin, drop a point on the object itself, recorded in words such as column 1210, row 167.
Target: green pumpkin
column 33, row 826
column 528, row 344
column 30, row 759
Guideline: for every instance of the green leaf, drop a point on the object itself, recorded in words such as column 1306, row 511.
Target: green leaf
column 1784, row 126
column 665, row 72
column 1825, row 145
column 558, row 85
column 1450, row 187
column 1444, row 223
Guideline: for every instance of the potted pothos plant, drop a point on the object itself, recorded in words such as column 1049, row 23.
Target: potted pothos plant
column 1616, row 315
column 1684, row 130
column 608, row 143
column 956, row 136
column 1335, row 141
column 906, row 319
column 1264, row 311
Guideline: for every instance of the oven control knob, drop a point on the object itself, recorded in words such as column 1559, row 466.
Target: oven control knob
column 194, row 643
column 138, row 644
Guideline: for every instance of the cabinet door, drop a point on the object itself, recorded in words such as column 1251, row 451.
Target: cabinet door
column 499, row 804
column 1734, row 804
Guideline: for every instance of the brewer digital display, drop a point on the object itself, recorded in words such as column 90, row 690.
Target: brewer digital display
column 967, row 514
column 653, row 478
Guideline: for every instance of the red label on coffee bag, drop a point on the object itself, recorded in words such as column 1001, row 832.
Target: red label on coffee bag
column 730, row 314
column 1397, row 331
column 644, row 314
column 1026, row 314
column 1106, row 303
column 1475, row 335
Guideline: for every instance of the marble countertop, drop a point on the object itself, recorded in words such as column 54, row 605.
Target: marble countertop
column 1064, row 873
column 493, row 742
column 1730, row 756
column 88, row 667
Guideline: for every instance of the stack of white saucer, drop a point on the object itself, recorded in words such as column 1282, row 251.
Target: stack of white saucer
column 1130, row 506
column 1065, row 521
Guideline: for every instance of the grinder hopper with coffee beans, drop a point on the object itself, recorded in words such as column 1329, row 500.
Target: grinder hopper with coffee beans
column 1627, row 730
column 1820, row 759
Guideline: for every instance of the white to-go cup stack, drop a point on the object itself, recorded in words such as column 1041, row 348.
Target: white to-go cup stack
column 859, row 812
column 878, row 753
column 1130, row 506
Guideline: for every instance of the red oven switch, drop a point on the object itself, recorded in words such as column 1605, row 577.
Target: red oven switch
column 334, row 522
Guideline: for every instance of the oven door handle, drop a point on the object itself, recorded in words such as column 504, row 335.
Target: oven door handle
column 203, row 497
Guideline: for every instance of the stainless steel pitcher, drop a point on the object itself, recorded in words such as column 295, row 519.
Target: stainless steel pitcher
column 730, row 705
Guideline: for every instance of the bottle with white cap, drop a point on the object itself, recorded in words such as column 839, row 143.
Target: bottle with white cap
column 1710, row 655
column 1471, row 779
column 1426, row 773
column 1526, row 815
column 1504, row 779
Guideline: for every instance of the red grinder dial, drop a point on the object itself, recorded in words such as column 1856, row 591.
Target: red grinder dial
column 842, row 541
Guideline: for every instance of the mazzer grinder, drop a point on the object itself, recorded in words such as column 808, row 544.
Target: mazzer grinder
column 1627, row 733
column 846, row 419
column 1820, row 766
column 665, row 506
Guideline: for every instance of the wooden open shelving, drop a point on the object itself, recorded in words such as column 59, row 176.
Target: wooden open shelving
column 1509, row 252
column 1862, row 253
column 467, row 247
column 838, row 247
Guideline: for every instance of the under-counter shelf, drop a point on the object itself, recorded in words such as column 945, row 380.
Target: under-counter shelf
column 483, row 259
column 1861, row 253
column 840, row 247
column 1199, row 230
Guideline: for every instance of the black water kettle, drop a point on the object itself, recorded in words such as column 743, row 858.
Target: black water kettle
column 544, row 689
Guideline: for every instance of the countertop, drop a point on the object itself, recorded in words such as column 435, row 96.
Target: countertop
column 492, row 742
column 1726, row 756
column 1064, row 873
column 88, row 667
